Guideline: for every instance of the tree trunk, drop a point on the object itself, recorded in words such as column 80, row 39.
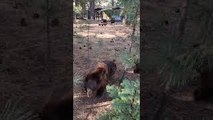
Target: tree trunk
column 134, row 28
column 77, row 2
column 92, row 10
column 89, row 15
column 113, row 2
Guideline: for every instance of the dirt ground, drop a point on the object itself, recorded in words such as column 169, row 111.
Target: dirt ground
column 114, row 39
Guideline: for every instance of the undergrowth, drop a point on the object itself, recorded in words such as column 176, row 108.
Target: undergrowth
column 125, row 103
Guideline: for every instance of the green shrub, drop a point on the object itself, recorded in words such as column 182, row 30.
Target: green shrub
column 77, row 9
column 125, row 103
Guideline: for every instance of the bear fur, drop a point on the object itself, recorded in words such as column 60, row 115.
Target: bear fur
column 96, row 81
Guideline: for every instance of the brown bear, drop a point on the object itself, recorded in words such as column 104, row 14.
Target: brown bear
column 96, row 81
column 59, row 106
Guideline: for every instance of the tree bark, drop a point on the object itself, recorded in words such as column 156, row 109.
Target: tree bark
column 133, row 29
column 92, row 10
column 113, row 3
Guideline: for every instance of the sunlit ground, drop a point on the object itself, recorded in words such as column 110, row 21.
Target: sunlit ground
column 109, row 31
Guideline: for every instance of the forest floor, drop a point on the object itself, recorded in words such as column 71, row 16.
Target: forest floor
column 114, row 39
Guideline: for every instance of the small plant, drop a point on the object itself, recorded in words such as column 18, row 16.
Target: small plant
column 125, row 103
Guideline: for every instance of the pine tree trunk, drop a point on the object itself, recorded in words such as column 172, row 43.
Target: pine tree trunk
column 133, row 29
column 113, row 2
column 92, row 10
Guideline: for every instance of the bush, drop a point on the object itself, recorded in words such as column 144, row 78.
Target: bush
column 125, row 103
column 77, row 9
